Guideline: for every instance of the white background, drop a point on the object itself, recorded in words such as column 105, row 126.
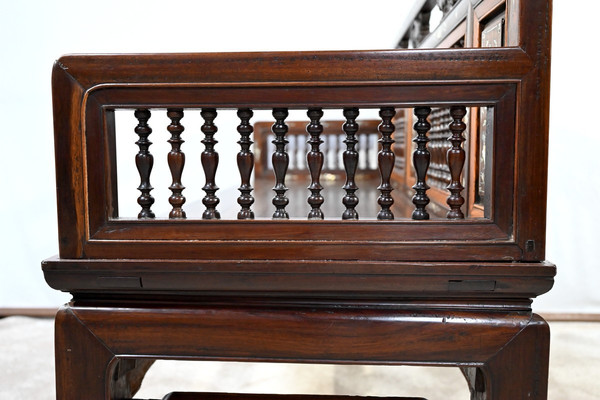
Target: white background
column 34, row 33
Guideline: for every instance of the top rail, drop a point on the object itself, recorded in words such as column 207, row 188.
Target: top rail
column 282, row 67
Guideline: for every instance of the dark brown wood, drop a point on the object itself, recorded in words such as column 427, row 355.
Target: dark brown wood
column 350, row 127
column 280, row 163
column 176, row 159
column 421, row 158
column 245, row 161
column 403, row 291
column 314, row 160
column 210, row 162
column 297, row 170
column 386, row 163
column 144, row 161
column 128, row 376
column 456, row 161
column 499, row 343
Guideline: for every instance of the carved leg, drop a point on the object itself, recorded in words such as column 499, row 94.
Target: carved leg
column 82, row 361
column 519, row 370
column 84, row 364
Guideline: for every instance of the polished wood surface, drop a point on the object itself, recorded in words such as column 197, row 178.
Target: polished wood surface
column 210, row 161
column 389, row 288
column 144, row 162
column 491, row 345
column 245, row 161
column 350, row 158
column 176, row 159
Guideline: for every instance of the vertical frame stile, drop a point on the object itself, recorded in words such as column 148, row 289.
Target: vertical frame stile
column 112, row 189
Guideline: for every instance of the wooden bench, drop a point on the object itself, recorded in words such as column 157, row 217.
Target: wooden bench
column 449, row 288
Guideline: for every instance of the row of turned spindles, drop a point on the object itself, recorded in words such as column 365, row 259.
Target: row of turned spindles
column 333, row 147
column 315, row 159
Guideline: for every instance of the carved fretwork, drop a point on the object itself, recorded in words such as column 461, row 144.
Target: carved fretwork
column 176, row 160
column 210, row 161
column 144, row 161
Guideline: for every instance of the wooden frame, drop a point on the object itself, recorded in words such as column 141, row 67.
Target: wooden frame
column 440, row 291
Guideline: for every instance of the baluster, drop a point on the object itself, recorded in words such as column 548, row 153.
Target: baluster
column 245, row 161
column 421, row 159
column 210, row 161
column 280, row 163
column 314, row 160
column 176, row 160
column 456, row 161
column 144, row 161
column 350, row 158
column 386, row 160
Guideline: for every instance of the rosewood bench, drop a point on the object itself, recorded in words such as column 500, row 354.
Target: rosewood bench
column 405, row 285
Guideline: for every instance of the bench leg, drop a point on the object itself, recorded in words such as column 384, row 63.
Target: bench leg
column 102, row 352
column 87, row 369
column 519, row 370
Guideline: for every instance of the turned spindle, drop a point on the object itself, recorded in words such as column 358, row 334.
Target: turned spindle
column 144, row 161
column 421, row 159
column 245, row 162
column 456, row 161
column 280, row 161
column 386, row 160
column 210, row 161
column 350, row 158
column 314, row 159
column 176, row 161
